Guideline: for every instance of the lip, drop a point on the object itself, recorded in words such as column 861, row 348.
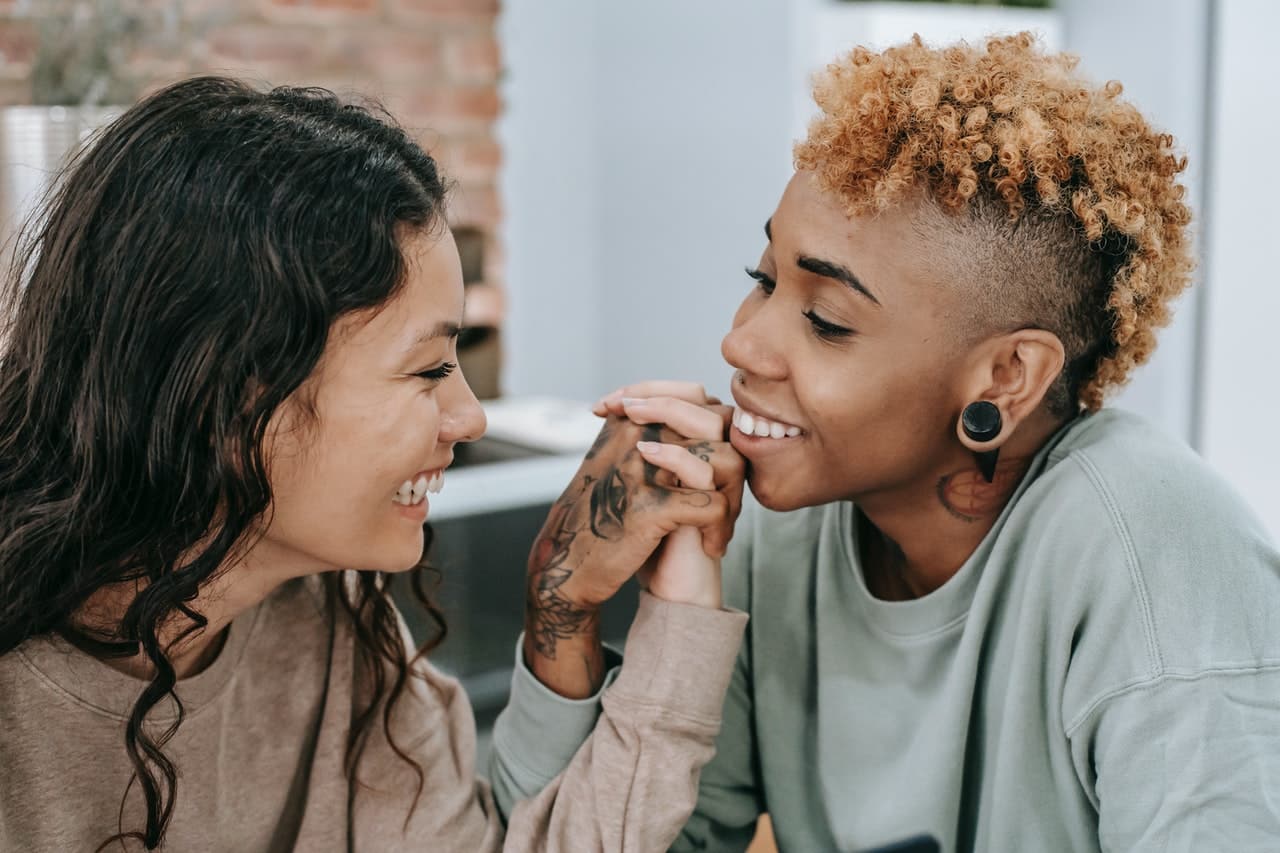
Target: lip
column 418, row 512
column 768, row 414
column 755, row 447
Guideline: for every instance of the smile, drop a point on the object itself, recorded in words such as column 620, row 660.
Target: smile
column 749, row 423
column 415, row 491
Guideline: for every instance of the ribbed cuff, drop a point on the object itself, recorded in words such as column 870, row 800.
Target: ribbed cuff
column 541, row 729
column 680, row 656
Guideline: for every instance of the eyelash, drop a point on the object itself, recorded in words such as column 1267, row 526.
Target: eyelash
column 438, row 374
column 824, row 329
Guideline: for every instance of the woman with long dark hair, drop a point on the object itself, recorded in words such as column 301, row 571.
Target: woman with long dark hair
column 227, row 388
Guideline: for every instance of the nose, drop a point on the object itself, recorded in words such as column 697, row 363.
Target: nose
column 752, row 343
column 461, row 416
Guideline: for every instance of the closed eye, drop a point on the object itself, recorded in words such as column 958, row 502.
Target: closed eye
column 765, row 283
column 825, row 329
column 438, row 374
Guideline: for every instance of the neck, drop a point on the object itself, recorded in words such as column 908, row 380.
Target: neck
column 230, row 592
column 917, row 539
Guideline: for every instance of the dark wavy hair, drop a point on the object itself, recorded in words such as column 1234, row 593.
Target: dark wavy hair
column 178, row 288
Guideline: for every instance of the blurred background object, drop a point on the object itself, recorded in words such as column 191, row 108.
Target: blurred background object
column 433, row 63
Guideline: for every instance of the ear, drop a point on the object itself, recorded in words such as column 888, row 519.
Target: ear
column 1015, row 372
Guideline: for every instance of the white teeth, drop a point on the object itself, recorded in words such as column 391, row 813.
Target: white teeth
column 413, row 492
column 749, row 424
column 420, row 488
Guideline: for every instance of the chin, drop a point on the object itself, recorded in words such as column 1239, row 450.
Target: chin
column 402, row 557
column 772, row 498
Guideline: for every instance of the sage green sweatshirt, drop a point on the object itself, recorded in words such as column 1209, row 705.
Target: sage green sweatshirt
column 1103, row 673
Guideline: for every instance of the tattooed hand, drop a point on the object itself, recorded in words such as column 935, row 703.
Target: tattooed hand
column 638, row 484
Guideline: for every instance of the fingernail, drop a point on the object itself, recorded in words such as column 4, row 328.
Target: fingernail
column 633, row 401
column 648, row 446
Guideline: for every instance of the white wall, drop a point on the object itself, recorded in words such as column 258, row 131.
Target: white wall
column 643, row 155
column 1158, row 50
column 697, row 158
column 550, row 185
column 1241, row 394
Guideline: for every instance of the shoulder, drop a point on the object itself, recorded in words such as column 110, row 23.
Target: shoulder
column 1151, row 491
column 1126, row 513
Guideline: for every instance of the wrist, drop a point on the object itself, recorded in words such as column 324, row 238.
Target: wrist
column 572, row 665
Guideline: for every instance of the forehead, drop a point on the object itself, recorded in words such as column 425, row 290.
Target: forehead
column 817, row 218
column 897, row 251
column 430, row 294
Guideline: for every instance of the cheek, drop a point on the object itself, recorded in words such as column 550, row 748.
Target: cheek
column 864, row 415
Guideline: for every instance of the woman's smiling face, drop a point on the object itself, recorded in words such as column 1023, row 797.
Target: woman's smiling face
column 389, row 405
column 847, row 349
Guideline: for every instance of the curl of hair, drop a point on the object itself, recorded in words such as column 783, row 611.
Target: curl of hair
column 1009, row 124
column 180, row 286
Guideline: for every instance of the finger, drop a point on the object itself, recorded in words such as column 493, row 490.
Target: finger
column 729, row 475
column 694, row 392
column 687, row 507
column 611, row 406
column 729, row 470
column 694, row 472
column 690, row 420
column 725, row 413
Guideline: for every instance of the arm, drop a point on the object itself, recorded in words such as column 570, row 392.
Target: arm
column 633, row 783
column 1187, row 762
column 629, row 788
column 539, row 732
column 632, row 497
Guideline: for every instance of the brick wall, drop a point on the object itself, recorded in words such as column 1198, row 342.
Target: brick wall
column 434, row 63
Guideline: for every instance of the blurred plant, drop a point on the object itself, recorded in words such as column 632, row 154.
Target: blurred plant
column 83, row 52
column 86, row 47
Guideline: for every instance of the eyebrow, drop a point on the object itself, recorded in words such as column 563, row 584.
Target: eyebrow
column 826, row 269
column 443, row 329
column 829, row 269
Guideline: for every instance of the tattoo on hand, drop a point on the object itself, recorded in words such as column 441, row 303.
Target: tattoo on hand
column 606, row 432
column 549, row 615
column 609, row 500
column 653, row 432
column 702, row 450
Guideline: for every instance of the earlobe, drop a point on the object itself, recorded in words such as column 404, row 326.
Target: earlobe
column 981, row 423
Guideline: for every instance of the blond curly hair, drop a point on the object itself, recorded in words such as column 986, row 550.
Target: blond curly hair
column 1074, row 196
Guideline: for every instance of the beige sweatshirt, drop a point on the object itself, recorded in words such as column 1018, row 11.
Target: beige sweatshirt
column 260, row 753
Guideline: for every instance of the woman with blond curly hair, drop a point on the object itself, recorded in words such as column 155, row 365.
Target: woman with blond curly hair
column 984, row 607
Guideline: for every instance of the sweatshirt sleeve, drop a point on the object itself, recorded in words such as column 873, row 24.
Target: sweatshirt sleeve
column 1187, row 762
column 629, row 787
column 539, row 731
column 633, row 783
